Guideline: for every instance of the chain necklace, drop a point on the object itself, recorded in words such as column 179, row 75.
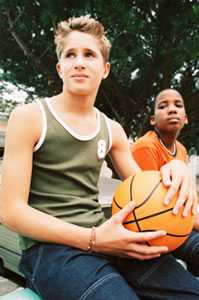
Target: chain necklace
column 173, row 153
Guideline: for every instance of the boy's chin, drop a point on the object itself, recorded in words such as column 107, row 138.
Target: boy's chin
column 80, row 92
column 174, row 127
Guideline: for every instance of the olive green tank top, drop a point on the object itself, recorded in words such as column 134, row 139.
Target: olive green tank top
column 66, row 169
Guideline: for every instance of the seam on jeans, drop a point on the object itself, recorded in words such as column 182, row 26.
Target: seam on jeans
column 37, row 262
column 150, row 271
column 26, row 254
column 31, row 278
column 40, row 252
column 96, row 284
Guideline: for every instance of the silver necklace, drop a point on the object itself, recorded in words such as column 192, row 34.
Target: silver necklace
column 173, row 153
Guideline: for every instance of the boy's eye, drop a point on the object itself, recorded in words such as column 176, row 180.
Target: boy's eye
column 89, row 54
column 179, row 104
column 162, row 106
column 70, row 54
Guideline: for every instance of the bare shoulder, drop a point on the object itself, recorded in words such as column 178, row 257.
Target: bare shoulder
column 25, row 121
column 116, row 127
column 118, row 132
column 114, row 124
column 25, row 112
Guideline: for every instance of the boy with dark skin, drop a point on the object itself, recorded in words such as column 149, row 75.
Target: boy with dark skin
column 53, row 156
column 159, row 146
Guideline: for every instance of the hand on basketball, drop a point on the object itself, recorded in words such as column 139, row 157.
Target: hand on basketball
column 176, row 174
column 114, row 239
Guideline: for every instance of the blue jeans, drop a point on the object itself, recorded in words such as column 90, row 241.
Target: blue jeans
column 57, row 272
column 189, row 253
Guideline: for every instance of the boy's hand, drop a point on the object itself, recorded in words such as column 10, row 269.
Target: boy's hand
column 177, row 175
column 114, row 239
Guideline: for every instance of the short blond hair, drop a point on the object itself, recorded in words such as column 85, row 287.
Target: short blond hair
column 84, row 24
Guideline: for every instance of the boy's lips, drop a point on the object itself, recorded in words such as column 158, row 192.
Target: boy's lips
column 173, row 119
column 79, row 76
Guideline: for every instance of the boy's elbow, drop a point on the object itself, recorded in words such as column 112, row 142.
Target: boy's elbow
column 4, row 217
column 7, row 218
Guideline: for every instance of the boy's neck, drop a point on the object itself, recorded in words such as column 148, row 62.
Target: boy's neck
column 79, row 104
column 167, row 139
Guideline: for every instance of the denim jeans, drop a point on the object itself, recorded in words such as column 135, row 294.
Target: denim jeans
column 57, row 272
column 189, row 253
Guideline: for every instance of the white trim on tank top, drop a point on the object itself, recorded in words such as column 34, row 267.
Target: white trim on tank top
column 44, row 127
column 108, row 124
column 70, row 130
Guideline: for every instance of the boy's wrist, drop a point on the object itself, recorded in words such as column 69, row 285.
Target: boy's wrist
column 92, row 240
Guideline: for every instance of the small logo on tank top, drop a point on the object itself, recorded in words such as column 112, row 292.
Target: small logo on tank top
column 101, row 149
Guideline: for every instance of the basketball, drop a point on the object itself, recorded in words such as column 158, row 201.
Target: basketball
column 148, row 192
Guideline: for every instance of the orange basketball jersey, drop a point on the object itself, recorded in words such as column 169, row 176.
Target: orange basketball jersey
column 151, row 154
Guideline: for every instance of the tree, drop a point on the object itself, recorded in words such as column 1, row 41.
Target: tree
column 155, row 45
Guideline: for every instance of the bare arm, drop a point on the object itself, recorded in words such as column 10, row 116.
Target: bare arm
column 120, row 153
column 23, row 132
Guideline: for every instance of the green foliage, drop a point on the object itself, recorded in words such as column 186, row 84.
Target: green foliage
column 155, row 45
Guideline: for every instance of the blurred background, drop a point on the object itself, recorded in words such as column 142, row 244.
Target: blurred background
column 155, row 45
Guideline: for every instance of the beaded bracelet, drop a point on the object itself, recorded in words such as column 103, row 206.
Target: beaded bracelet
column 92, row 240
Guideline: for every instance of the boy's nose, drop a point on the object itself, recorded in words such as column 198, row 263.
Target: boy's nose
column 172, row 109
column 79, row 62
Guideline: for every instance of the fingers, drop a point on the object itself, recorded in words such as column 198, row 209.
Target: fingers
column 175, row 183
column 195, row 198
column 183, row 197
column 139, row 249
column 124, row 212
column 191, row 203
column 141, row 237
column 166, row 175
column 195, row 204
column 176, row 174
column 187, row 208
column 147, row 252
column 143, row 256
column 187, row 197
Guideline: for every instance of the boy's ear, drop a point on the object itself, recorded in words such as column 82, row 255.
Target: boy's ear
column 186, row 121
column 58, row 70
column 107, row 68
column 152, row 120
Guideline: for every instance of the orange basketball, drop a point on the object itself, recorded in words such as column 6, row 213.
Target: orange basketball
column 148, row 192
